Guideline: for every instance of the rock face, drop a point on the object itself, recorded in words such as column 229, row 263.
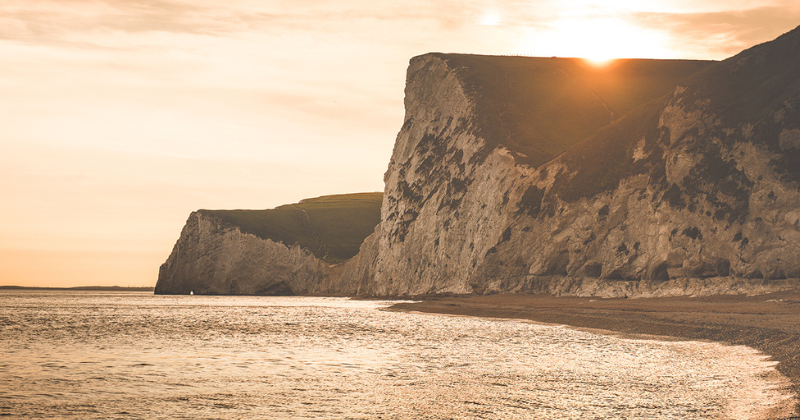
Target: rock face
column 695, row 192
column 693, row 186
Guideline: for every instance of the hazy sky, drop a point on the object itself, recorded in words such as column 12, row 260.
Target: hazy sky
column 120, row 117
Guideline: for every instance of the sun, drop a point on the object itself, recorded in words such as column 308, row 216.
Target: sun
column 598, row 60
column 598, row 40
column 490, row 19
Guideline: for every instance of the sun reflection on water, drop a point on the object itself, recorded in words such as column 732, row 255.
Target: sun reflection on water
column 100, row 356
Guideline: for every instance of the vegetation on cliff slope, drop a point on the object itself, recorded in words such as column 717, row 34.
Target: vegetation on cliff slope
column 752, row 97
column 540, row 107
column 332, row 227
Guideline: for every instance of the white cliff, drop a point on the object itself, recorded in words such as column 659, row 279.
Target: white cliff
column 693, row 194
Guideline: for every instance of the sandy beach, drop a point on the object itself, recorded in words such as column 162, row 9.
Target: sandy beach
column 769, row 323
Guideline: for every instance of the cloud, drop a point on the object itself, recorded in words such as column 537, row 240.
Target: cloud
column 50, row 20
column 44, row 21
column 722, row 34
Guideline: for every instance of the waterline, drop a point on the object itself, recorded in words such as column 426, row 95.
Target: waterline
column 97, row 355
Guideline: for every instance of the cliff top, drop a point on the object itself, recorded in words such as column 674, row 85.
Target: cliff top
column 540, row 107
column 755, row 95
column 331, row 227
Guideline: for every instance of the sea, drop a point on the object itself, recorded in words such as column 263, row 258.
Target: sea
column 122, row 355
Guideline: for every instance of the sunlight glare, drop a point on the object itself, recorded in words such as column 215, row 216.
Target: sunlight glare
column 598, row 40
column 490, row 19
column 598, row 61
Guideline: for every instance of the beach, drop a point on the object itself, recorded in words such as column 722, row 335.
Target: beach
column 768, row 323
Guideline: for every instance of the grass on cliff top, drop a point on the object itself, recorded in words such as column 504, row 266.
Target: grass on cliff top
column 540, row 107
column 332, row 227
column 753, row 87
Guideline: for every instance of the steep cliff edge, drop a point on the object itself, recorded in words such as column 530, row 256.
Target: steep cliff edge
column 475, row 128
column 289, row 250
column 493, row 185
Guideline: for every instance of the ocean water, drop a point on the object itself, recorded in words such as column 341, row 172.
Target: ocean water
column 85, row 355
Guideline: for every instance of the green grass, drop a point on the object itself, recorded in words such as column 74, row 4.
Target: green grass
column 540, row 107
column 748, row 88
column 332, row 227
column 627, row 84
column 604, row 159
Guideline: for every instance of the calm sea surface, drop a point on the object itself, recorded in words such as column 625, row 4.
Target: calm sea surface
column 134, row 355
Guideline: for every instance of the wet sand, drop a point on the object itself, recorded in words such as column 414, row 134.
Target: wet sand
column 769, row 323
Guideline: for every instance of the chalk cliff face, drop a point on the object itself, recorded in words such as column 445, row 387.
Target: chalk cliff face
column 693, row 193
column 434, row 225
column 218, row 259
column 290, row 250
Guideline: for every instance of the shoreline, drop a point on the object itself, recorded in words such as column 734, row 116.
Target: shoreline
column 768, row 323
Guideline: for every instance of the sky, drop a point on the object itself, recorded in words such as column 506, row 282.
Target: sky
column 118, row 118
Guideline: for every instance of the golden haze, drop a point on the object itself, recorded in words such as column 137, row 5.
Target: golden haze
column 120, row 118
